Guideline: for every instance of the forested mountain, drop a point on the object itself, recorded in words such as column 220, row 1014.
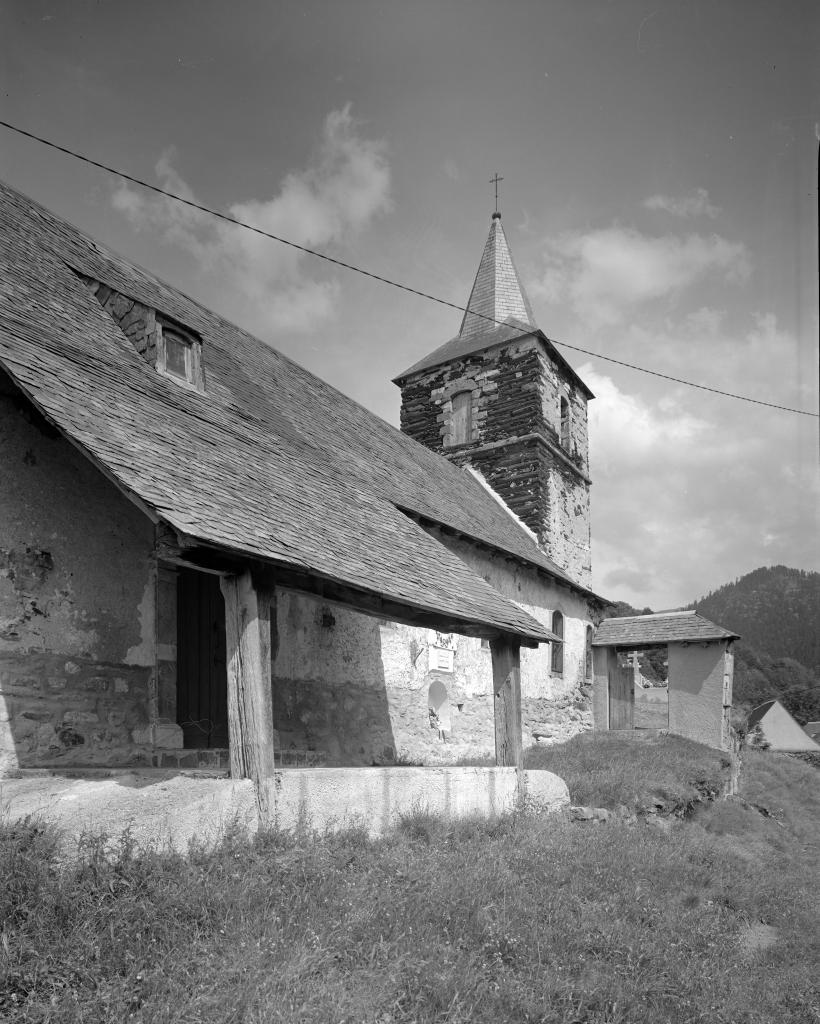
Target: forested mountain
column 776, row 611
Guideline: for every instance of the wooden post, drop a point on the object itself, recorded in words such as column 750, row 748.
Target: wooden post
column 506, row 655
column 602, row 659
column 250, row 697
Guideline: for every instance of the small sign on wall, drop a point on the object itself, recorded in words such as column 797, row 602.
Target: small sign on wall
column 441, row 659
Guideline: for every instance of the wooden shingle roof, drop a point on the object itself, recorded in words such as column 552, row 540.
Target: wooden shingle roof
column 662, row 628
column 271, row 461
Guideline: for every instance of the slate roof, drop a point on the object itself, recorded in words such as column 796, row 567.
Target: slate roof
column 271, row 461
column 497, row 291
column 498, row 311
column 455, row 348
column 662, row 628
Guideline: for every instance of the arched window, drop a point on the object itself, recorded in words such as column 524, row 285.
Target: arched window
column 565, row 423
column 461, row 421
column 438, row 708
column 557, row 664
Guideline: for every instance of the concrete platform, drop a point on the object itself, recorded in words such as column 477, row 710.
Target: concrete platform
column 172, row 808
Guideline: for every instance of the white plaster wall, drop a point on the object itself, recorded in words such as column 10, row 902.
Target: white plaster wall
column 696, row 688
column 540, row 597
column 378, row 798
column 353, row 690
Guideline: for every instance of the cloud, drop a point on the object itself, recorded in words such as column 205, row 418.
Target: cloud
column 749, row 354
column 691, row 490
column 451, row 169
column 606, row 273
column 321, row 206
column 695, row 205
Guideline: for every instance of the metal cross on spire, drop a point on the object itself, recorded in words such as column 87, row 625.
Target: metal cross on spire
column 494, row 181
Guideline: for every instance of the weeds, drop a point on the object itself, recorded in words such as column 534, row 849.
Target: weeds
column 514, row 920
column 603, row 770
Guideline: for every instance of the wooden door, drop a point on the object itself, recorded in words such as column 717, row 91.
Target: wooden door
column 621, row 698
column 202, row 681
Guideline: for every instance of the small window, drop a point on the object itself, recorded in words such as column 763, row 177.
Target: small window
column 565, row 423
column 179, row 354
column 557, row 662
column 461, row 421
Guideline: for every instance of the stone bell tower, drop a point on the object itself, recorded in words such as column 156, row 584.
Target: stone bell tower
column 500, row 398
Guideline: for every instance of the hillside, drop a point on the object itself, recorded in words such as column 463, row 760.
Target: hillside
column 776, row 610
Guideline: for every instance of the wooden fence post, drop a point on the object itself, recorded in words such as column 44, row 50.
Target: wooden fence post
column 250, row 697
column 506, row 655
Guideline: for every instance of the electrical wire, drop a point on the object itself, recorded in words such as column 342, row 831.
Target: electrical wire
column 385, row 280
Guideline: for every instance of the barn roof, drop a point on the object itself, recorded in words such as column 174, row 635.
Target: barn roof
column 661, row 628
column 270, row 462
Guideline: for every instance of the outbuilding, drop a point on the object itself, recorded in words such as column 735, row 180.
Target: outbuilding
column 700, row 667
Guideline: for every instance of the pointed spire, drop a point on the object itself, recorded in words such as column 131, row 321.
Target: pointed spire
column 497, row 290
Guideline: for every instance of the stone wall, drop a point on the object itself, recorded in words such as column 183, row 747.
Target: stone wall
column 515, row 440
column 136, row 321
column 77, row 603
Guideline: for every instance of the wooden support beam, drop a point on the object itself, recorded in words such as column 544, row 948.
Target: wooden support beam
column 604, row 659
column 250, row 697
column 506, row 655
column 286, row 577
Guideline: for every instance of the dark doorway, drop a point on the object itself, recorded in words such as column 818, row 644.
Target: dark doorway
column 202, row 682
column 621, row 698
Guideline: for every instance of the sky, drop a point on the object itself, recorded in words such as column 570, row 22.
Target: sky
column 659, row 197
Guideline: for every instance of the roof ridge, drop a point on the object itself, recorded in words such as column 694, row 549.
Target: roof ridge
column 655, row 615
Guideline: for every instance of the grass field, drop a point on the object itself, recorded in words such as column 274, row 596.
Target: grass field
column 521, row 920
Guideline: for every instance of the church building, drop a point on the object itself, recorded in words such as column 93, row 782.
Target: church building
column 211, row 558
column 500, row 399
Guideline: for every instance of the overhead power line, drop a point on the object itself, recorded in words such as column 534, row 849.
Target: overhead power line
column 378, row 277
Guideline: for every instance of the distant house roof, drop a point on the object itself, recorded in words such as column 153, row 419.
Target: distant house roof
column 812, row 729
column 498, row 312
column 662, row 628
column 780, row 730
column 270, row 462
column 757, row 713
